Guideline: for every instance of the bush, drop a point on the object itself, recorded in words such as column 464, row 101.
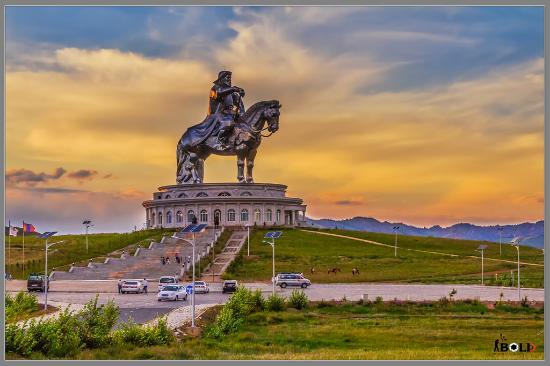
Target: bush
column 241, row 304
column 96, row 323
column 275, row 303
column 53, row 337
column 144, row 336
column 379, row 300
column 298, row 300
column 20, row 305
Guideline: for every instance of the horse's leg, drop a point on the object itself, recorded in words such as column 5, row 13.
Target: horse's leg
column 240, row 166
column 250, row 165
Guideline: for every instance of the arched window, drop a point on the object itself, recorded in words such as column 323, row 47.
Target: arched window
column 217, row 217
column 169, row 217
column 190, row 215
column 231, row 215
column 179, row 217
column 153, row 219
column 182, row 195
column 202, row 194
column 167, row 196
column 257, row 215
column 160, row 218
column 246, row 194
column 268, row 215
column 204, row 216
column 244, row 215
column 224, row 194
column 278, row 215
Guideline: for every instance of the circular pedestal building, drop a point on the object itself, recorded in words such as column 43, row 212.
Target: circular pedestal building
column 224, row 204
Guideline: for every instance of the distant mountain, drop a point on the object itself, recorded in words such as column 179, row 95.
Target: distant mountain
column 531, row 234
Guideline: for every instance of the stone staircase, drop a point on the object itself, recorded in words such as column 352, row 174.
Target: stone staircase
column 146, row 262
column 228, row 254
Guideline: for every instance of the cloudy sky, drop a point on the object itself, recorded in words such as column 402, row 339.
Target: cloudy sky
column 427, row 115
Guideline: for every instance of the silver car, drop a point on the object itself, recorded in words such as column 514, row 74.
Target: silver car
column 292, row 279
column 173, row 293
column 201, row 287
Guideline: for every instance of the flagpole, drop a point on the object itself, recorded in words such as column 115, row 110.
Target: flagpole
column 23, row 248
column 9, row 247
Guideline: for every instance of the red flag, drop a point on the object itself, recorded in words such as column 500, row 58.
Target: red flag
column 28, row 228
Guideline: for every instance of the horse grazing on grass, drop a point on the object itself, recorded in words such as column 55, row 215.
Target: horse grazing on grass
column 355, row 271
column 333, row 270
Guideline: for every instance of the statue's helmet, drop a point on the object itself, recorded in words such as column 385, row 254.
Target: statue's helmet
column 221, row 75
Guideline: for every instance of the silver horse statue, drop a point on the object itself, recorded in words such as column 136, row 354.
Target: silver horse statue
column 200, row 141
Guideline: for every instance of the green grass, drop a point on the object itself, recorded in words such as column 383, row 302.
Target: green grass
column 299, row 251
column 460, row 330
column 72, row 250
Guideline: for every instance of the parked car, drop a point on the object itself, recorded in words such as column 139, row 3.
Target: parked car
column 172, row 292
column 132, row 286
column 229, row 286
column 201, row 287
column 37, row 282
column 291, row 279
column 167, row 280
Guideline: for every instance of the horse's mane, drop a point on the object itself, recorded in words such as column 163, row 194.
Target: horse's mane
column 252, row 114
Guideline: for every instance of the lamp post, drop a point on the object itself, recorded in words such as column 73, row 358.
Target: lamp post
column 193, row 228
column 46, row 236
column 395, row 228
column 516, row 245
column 248, row 240
column 87, row 224
column 272, row 235
column 500, row 240
column 481, row 248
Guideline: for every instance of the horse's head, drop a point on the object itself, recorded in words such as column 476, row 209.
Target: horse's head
column 271, row 115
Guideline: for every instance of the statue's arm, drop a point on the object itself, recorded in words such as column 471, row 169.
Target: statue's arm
column 223, row 90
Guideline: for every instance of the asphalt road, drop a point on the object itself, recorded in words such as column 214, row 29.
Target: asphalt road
column 144, row 307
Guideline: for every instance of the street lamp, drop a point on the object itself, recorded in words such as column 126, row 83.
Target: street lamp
column 481, row 248
column 193, row 229
column 395, row 228
column 248, row 240
column 515, row 243
column 46, row 236
column 272, row 235
column 500, row 240
column 87, row 224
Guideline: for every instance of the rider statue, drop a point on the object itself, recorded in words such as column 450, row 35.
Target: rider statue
column 225, row 101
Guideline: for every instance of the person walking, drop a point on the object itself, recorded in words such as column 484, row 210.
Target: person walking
column 145, row 285
column 163, row 260
column 167, row 260
column 119, row 286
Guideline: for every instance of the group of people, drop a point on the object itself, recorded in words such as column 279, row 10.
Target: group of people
column 166, row 260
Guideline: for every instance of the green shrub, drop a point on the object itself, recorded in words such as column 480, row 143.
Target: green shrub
column 96, row 323
column 379, row 300
column 298, row 300
column 143, row 336
column 241, row 304
column 275, row 303
column 19, row 306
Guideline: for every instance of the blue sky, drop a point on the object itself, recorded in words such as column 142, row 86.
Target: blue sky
column 413, row 114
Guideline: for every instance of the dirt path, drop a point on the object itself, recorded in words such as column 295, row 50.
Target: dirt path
column 423, row 251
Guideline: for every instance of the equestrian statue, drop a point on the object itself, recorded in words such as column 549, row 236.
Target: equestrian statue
column 227, row 130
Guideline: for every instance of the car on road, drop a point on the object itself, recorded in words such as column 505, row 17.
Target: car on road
column 167, row 280
column 201, row 287
column 229, row 286
column 135, row 286
column 291, row 279
column 173, row 293
column 37, row 282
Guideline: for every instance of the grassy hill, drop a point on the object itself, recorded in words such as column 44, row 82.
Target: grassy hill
column 299, row 250
column 72, row 250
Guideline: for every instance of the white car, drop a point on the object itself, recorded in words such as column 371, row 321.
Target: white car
column 167, row 280
column 201, row 287
column 131, row 286
column 173, row 293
